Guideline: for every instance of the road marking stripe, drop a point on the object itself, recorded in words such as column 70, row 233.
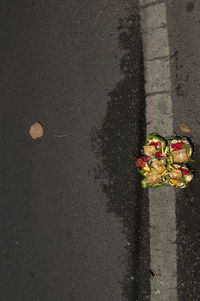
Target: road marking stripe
column 159, row 117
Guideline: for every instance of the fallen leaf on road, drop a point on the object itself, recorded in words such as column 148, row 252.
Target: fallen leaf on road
column 185, row 128
column 36, row 130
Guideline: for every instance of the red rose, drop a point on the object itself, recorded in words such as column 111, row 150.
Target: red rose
column 158, row 154
column 155, row 143
column 140, row 162
column 145, row 158
column 185, row 171
column 177, row 145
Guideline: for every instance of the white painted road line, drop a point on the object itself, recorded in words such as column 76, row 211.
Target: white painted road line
column 162, row 201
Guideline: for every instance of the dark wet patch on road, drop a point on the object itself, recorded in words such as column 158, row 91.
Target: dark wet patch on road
column 121, row 137
column 190, row 6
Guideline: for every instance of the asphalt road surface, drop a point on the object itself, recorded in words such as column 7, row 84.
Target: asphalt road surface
column 184, row 37
column 73, row 220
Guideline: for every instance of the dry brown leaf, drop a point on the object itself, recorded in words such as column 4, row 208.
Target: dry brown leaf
column 36, row 130
column 185, row 128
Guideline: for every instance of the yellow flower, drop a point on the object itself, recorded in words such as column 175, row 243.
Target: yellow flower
column 175, row 182
column 146, row 168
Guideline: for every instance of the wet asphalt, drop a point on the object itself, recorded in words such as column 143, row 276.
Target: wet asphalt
column 73, row 219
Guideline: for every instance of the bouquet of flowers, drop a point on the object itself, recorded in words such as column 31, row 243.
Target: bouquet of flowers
column 164, row 161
